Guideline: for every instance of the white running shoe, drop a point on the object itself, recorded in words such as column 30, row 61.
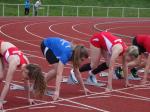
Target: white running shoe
column 131, row 77
column 16, row 87
column 72, row 78
column 92, row 79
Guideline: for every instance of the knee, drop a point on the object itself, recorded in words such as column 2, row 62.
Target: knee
column 94, row 66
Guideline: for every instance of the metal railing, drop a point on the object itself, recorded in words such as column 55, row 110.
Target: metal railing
column 69, row 10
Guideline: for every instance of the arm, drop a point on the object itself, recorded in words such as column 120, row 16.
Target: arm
column 9, row 76
column 28, row 87
column 60, row 69
column 79, row 77
column 135, row 63
column 125, row 71
column 146, row 71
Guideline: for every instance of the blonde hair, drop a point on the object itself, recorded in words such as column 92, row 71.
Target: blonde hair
column 79, row 52
column 133, row 51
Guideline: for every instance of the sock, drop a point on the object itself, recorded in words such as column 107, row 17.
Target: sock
column 85, row 67
column 100, row 68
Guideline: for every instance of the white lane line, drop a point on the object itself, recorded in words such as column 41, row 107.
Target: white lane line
column 12, row 37
column 120, row 96
column 68, row 105
column 29, row 25
column 133, row 21
column 43, row 107
column 121, row 27
column 73, row 98
column 95, row 97
column 53, row 25
column 88, row 106
column 133, row 98
column 144, row 88
column 73, row 28
column 62, row 104
column 138, row 96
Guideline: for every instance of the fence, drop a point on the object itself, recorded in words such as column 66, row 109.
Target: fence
column 68, row 10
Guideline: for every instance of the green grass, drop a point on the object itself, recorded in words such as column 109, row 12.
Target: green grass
column 70, row 11
column 100, row 12
column 82, row 11
column 116, row 3
column 1, row 10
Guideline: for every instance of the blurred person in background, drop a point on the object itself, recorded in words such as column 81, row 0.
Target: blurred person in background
column 27, row 7
column 36, row 7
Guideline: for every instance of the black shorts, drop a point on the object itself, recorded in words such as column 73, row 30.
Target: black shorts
column 50, row 57
column 141, row 48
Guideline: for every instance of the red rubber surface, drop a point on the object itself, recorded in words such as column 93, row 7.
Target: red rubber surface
column 27, row 33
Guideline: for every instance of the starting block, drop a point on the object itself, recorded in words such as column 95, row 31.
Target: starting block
column 67, row 80
column 49, row 93
column 105, row 74
column 130, row 77
column 17, row 87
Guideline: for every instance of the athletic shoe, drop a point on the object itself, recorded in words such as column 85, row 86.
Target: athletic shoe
column 92, row 79
column 72, row 78
column 134, row 72
column 134, row 75
column 119, row 73
column 49, row 93
column 131, row 77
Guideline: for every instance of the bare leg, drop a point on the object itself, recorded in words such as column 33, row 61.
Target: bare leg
column 1, row 69
column 51, row 74
column 95, row 56
column 110, row 76
column 106, row 56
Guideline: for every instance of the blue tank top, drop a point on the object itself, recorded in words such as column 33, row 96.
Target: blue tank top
column 60, row 47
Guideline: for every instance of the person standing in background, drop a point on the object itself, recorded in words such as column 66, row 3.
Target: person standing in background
column 27, row 7
column 36, row 6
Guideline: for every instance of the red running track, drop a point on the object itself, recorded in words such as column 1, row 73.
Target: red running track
column 28, row 32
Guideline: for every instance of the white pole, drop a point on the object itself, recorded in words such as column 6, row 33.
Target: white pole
column 62, row 11
column 92, row 12
column 47, row 10
column 33, row 10
column 123, row 12
column 18, row 10
column 77, row 11
column 108, row 12
column 138, row 12
column 3, row 9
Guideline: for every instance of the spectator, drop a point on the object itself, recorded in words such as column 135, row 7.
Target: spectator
column 27, row 7
column 36, row 7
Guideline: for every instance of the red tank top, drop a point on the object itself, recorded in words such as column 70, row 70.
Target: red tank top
column 14, row 51
column 144, row 40
column 106, row 40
